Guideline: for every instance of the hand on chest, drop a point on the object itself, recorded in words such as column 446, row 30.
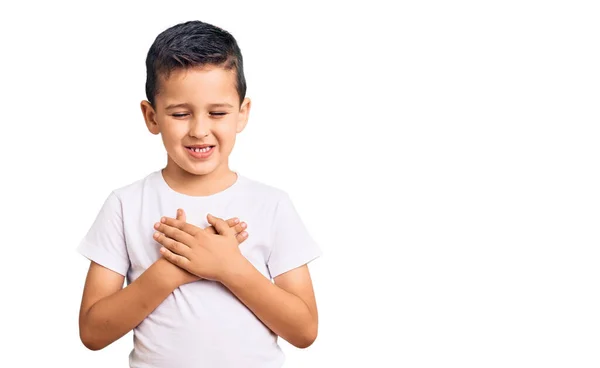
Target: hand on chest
column 143, row 249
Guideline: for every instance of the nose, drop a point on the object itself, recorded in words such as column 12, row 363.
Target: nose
column 199, row 127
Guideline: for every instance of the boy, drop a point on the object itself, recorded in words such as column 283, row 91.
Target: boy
column 200, row 291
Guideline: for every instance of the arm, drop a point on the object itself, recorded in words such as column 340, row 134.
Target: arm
column 102, row 317
column 287, row 307
column 108, row 311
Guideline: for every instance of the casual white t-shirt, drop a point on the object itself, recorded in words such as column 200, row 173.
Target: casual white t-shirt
column 201, row 324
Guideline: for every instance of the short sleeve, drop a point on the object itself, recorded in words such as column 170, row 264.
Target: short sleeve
column 292, row 246
column 104, row 242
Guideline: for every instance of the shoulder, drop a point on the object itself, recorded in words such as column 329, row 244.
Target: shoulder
column 136, row 187
column 263, row 191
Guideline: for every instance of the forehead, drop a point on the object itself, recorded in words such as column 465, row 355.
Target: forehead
column 198, row 85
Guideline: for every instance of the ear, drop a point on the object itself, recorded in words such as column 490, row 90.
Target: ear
column 150, row 117
column 243, row 115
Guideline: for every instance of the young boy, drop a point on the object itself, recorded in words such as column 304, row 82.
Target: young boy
column 200, row 291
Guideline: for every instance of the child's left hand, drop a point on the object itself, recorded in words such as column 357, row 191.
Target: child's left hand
column 206, row 255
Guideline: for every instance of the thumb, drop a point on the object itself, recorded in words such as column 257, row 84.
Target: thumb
column 219, row 224
column 181, row 215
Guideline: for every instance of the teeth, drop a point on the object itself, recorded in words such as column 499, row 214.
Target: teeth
column 205, row 149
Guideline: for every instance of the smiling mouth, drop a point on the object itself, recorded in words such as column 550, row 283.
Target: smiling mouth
column 200, row 150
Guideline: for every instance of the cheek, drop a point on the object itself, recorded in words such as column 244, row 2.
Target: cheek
column 225, row 133
column 173, row 133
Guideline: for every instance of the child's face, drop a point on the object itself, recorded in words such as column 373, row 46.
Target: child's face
column 194, row 107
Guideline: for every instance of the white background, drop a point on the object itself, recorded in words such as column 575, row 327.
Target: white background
column 444, row 154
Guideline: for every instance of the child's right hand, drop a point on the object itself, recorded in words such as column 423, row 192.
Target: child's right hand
column 182, row 276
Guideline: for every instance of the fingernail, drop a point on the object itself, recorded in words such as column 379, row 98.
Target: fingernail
column 156, row 226
column 155, row 235
column 244, row 234
column 163, row 220
column 244, row 225
column 237, row 221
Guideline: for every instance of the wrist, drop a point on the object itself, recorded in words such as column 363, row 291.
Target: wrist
column 235, row 269
column 166, row 277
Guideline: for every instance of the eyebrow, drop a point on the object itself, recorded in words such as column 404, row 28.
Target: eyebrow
column 220, row 105
column 173, row 106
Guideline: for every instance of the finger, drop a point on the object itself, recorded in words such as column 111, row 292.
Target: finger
column 233, row 222
column 177, row 260
column 240, row 227
column 241, row 237
column 181, row 215
column 220, row 225
column 181, row 225
column 172, row 245
column 174, row 233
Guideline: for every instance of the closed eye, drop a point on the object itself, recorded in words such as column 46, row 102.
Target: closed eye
column 215, row 114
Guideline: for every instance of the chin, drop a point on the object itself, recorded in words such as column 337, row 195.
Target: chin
column 200, row 169
column 203, row 168
column 194, row 167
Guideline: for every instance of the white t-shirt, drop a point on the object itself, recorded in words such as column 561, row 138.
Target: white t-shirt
column 200, row 324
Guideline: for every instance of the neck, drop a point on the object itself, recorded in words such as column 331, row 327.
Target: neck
column 191, row 184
